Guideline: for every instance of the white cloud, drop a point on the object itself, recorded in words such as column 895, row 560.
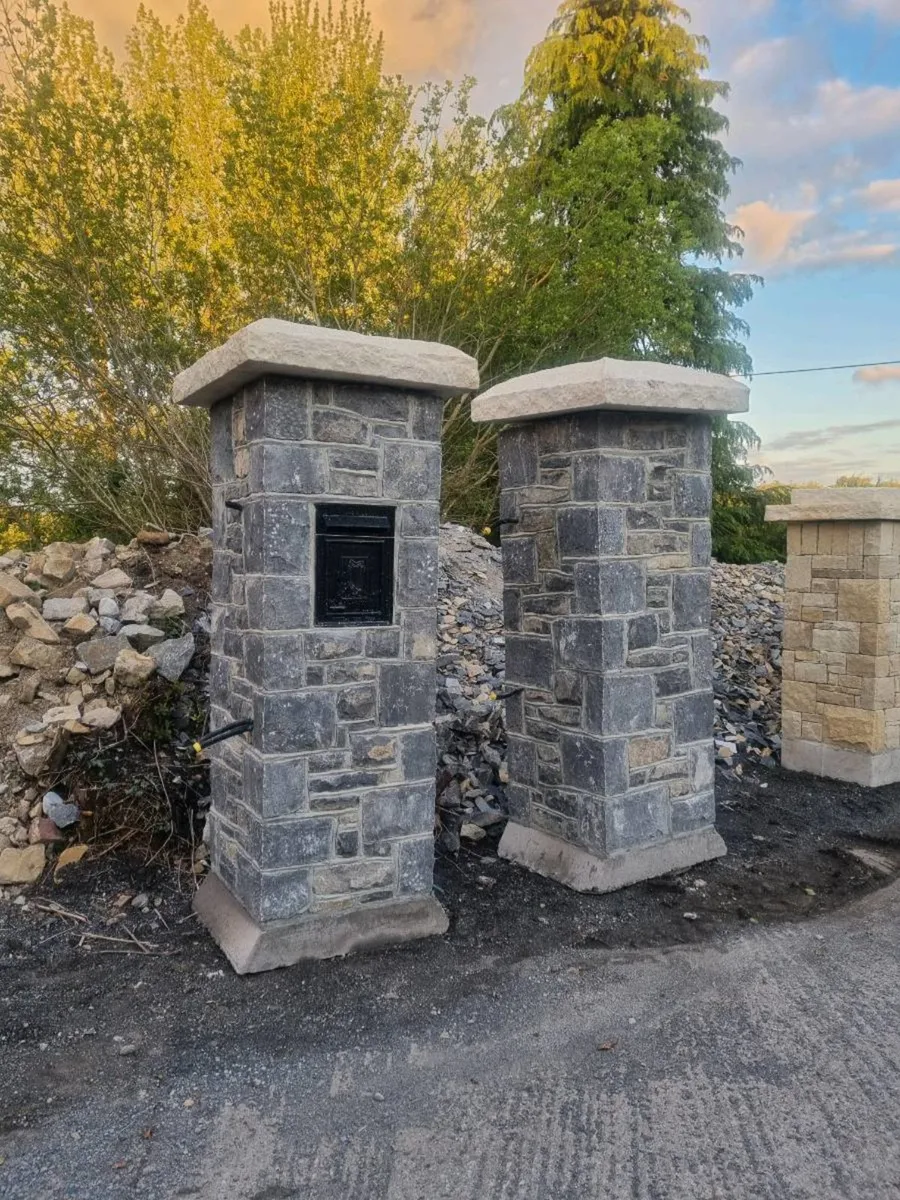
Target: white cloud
column 835, row 115
column 839, row 249
column 761, row 60
column 882, row 195
column 769, row 232
column 822, row 454
column 885, row 10
column 885, row 373
column 778, row 241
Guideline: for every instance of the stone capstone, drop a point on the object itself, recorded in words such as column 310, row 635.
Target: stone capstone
column 611, row 384
column 275, row 347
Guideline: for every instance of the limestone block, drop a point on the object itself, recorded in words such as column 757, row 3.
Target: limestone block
column 810, row 673
column 840, row 638
column 865, row 600
column 809, row 538
column 28, row 652
column 132, row 669
column 797, row 635
column 79, row 628
column 798, row 573
column 791, row 724
column 115, row 580
column 800, row 697
column 861, row 729
column 60, row 609
column 100, row 654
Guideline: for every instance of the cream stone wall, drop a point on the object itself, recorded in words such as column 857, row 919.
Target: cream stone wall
column 841, row 662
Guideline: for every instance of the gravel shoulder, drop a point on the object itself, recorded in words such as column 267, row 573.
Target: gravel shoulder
column 794, row 846
column 509, row 1043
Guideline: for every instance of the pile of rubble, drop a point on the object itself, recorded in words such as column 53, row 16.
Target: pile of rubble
column 78, row 640
column 748, row 627
column 471, row 664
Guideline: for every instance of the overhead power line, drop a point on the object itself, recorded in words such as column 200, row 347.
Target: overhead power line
column 895, row 362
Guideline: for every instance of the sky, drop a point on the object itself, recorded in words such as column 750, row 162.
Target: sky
column 814, row 115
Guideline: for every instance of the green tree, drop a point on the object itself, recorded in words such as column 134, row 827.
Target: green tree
column 149, row 209
column 614, row 222
column 617, row 92
column 152, row 207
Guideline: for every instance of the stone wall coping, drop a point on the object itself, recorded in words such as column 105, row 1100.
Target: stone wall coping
column 838, row 504
column 610, row 383
column 273, row 347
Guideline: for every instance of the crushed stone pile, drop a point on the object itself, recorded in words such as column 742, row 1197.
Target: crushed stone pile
column 470, row 672
column 748, row 627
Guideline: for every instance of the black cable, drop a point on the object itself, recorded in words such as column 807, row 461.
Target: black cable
column 894, row 362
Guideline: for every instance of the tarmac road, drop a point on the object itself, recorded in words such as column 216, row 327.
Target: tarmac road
column 764, row 1065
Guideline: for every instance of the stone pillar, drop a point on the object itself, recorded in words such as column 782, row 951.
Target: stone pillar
column 841, row 660
column 605, row 503
column 326, row 465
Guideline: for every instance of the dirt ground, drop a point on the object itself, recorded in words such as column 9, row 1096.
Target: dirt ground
column 74, row 1009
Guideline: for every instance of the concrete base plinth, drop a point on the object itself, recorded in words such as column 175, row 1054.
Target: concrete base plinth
column 251, row 947
column 577, row 868
column 849, row 766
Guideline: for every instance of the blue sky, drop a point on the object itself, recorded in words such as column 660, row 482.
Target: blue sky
column 815, row 117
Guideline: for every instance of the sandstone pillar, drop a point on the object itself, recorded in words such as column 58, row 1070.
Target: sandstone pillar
column 605, row 505
column 326, row 467
column 841, row 661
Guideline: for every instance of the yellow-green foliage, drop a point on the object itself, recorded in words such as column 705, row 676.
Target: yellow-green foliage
column 152, row 205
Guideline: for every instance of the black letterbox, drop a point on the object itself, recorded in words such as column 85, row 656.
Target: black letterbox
column 354, row 565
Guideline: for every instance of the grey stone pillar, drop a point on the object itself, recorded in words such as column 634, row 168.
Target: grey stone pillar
column 605, row 506
column 326, row 468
